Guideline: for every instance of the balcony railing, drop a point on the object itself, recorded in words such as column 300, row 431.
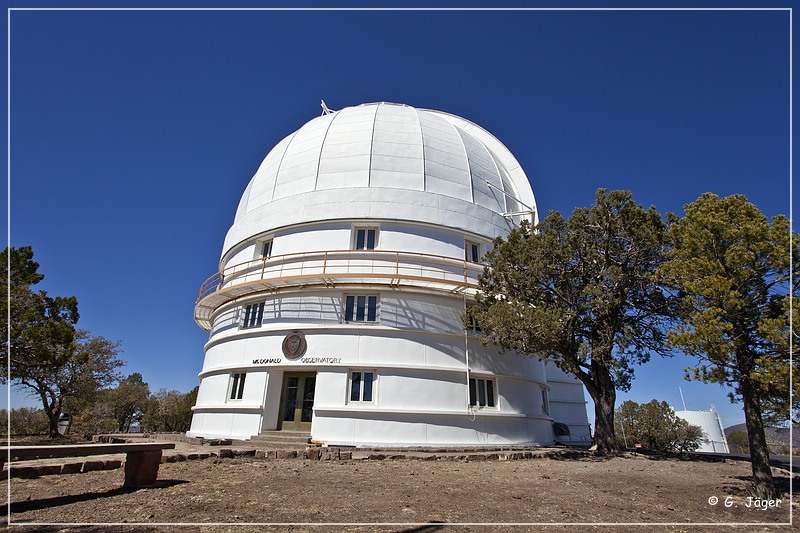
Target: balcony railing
column 333, row 268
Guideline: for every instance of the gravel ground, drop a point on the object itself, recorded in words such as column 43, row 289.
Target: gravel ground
column 414, row 495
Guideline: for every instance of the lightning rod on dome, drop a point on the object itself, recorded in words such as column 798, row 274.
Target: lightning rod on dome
column 325, row 110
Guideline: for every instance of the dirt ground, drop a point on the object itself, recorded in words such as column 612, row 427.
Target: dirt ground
column 236, row 495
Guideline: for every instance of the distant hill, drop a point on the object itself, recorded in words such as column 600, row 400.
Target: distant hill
column 775, row 436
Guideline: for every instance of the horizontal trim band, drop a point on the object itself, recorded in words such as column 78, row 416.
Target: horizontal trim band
column 229, row 408
column 293, row 366
column 349, row 410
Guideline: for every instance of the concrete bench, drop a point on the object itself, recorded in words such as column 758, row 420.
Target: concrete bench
column 141, row 461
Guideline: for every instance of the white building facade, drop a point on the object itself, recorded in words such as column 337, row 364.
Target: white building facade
column 337, row 308
column 714, row 440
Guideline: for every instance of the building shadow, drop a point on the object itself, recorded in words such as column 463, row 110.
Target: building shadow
column 44, row 503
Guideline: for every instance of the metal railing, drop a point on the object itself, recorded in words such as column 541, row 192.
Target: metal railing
column 329, row 267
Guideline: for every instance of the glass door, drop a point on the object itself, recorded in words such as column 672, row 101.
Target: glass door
column 297, row 401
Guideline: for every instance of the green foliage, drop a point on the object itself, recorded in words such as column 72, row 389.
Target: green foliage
column 42, row 328
column 185, row 404
column 582, row 292
column 92, row 417
column 169, row 411
column 773, row 372
column 731, row 268
column 655, row 426
column 48, row 356
column 737, row 441
column 24, row 421
column 128, row 401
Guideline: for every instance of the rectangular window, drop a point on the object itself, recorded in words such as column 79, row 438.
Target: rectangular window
column 481, row 392
column 252, row 316
column 361, row 308
column 472, row 252
column 545, row 402
column 362, row 384
column 365, row 238
column 266, row 249
column 237, row 386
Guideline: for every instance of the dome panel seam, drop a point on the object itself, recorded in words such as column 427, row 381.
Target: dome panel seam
column 371, row 145
column 278, row 170
column 322, row 147
column 422, row 138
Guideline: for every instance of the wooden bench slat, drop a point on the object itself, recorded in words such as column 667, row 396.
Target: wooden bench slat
column 21, row 453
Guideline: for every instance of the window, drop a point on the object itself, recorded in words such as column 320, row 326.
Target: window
column 545, row 402
column 472, row 252
column 252, row 316
column 237, row 386
column 361, row 308
column 266, row 249
column 481, row 392
column 362, row 385
column 365, row 238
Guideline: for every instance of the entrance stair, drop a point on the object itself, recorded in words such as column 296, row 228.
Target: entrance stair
column 281, row 440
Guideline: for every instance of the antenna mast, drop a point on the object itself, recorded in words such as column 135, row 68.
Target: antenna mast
column 325, row 110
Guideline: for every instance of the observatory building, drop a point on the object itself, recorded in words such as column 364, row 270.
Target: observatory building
column 714, row 440
column 337, row 306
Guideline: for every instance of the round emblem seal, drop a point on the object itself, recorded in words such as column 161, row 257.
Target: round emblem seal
column 294, row 345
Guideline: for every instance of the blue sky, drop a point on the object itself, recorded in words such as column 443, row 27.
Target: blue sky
column 134, row 133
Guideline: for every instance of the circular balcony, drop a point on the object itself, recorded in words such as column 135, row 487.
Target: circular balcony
column 332, row 269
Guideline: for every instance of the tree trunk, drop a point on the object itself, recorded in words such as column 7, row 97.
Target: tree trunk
column 52, row 418
column 600, row 387
column 604, row 395
column 759, row 451
column 604, row 436
column 52, row 410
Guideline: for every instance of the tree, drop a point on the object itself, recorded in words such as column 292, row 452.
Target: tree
column 91, row 418
column 740, row 440
column 777, row 406
column 82, row 370
column 24, row 421
column 41, row 325
column 169, row 410
column 185, row 404
column 46, row 352
column 655, row 426
column 730, row 267
column 128, row 401
column 582, row 293
column 42, row 328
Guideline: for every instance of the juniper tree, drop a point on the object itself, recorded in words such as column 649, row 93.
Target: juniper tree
column 581, row 292
column 46, row 353
column 655, row 426
column 128, row 401
column 731, row 267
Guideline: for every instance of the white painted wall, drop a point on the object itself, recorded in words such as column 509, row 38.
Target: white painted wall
column 714, row 440
column 338, row 235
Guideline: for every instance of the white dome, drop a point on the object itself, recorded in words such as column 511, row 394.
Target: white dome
column 385, row 161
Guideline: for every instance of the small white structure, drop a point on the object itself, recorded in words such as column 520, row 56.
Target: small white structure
column 337, row 308
column 713, row 434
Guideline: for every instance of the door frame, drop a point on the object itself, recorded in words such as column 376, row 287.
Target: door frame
column 296, row 424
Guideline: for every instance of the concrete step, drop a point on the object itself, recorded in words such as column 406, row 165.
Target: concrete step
column 281, row 438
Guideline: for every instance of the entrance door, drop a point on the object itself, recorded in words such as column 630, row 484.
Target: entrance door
column 297, row 401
